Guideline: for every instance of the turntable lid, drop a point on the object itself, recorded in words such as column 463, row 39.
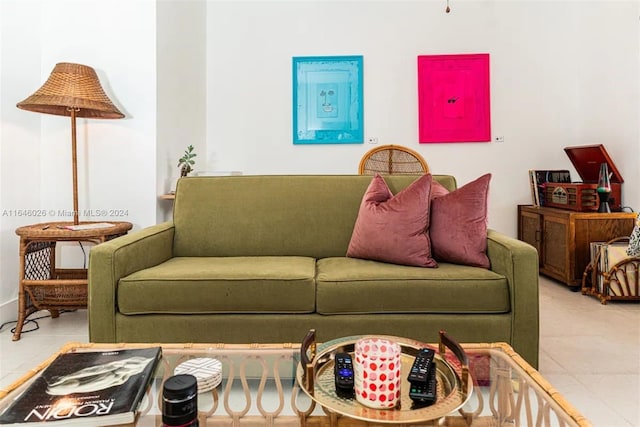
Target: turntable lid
column 587, row 159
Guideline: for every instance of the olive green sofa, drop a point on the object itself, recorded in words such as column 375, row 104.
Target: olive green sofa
column 262, row 259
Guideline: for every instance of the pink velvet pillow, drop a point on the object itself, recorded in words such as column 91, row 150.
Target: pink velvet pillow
column 392, row 228
column 458, row 228
column 438, row 190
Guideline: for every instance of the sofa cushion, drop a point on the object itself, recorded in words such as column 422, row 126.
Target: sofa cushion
column 458, row 227
column 349, row 285
column 394, row 228
column 221, row 285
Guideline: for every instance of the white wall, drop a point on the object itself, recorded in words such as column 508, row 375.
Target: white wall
column 19, row 140
column 116, row 158
column 181, row 90
column 559, row 71
column 608, row 106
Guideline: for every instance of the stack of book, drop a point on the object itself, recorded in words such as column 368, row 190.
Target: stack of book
column 86, row 388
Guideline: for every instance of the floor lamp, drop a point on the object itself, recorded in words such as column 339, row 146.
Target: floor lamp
column 72, row 90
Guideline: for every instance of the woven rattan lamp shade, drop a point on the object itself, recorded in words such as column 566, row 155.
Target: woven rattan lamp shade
column 72, row 90
column 72, row 86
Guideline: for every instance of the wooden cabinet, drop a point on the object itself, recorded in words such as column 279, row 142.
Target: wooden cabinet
column 562, row 237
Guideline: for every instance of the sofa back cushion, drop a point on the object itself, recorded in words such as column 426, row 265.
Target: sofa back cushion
column 262, row 215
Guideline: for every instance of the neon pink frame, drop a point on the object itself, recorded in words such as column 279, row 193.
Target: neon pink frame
column 453, row 98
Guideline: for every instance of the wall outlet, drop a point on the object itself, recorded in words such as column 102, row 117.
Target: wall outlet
column 498, row 139
column 372, row 140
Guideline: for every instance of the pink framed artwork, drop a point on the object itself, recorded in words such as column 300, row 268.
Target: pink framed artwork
column 453, row 98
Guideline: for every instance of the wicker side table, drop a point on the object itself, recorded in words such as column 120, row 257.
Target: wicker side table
column 44, row 286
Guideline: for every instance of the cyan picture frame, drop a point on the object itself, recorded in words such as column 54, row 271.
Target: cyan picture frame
column 328, row 100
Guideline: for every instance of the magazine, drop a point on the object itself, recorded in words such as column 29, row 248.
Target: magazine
column 86, row 388
column 596, row 250
column 533, row 184
column 89, row 226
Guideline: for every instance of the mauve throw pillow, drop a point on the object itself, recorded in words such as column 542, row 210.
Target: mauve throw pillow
column 458, row 224
column 438, row 190
column 392, row 228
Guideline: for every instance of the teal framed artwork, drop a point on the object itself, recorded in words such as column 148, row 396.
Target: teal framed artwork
column 327, row 100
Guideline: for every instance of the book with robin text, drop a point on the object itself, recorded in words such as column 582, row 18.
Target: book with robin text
column 85, row 388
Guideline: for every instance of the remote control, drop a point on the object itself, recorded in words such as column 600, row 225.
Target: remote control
column 424, row 393
column 420, row 367
column 343, row 372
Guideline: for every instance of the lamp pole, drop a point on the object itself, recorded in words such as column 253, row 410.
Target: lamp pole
column 74, row 157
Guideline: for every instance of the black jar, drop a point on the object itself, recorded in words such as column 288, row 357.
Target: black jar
column 180, row 401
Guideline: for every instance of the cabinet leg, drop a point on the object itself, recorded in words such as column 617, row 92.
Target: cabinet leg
column 54, row 313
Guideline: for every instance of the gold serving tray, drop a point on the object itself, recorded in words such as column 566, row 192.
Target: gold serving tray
column 315, row 376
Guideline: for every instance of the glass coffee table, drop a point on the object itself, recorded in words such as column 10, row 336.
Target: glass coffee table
column 259, row 387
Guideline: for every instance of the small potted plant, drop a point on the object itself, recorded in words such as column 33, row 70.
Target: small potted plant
column 186, row 162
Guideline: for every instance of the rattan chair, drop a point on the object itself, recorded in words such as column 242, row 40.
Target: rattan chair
column 392, row 160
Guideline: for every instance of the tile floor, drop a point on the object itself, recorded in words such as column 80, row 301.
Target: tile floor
column 589, row 352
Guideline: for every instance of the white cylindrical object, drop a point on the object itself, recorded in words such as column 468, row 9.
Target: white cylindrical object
column 377, row 372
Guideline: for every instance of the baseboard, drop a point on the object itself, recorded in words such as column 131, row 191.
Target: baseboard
column 8, row 312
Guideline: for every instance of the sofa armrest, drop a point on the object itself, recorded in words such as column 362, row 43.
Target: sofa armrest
column 110, row 261
column 518, row 262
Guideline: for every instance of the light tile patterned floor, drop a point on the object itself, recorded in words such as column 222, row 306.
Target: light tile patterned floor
column 589, row 352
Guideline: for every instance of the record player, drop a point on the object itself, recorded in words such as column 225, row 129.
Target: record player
column 583, row 196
